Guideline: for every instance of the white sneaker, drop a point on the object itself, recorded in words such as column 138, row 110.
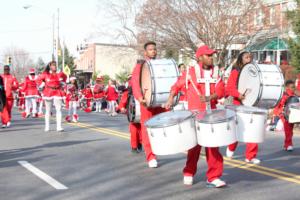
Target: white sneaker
column 187, row 180
column 217, row 183
column 253, row 161
column 3, row 125
column 8, row 124
column 74, row 120
column 229, row 153
column 290, row 148
column 46, row 129
column 152, row 163
column 60, row 130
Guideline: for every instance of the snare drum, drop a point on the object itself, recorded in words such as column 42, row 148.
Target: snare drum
column 216, row 129
column 294, row 116
column 157, row 78
column 133, row 110
column 262, row 84
column 172, row 132
column 251, row 123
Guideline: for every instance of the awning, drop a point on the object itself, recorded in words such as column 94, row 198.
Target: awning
column 272, row 44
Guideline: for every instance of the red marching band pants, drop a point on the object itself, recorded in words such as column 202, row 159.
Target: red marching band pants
column 6, row 113
column 147, row 113
column 135, row 134
column 251, row 149
column 288, row 131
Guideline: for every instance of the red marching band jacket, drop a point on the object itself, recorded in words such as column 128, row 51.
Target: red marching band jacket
column 30, row 86
column 10, row 84
column 192, row 97
column 53, row 84
column 98, row 91
column 111, row 93
column 87, row 93
column 288, row 93
column 232, row 86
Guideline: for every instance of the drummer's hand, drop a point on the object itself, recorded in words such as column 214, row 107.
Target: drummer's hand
column 142, row 101
column 241, row 97
column 123, row 110
column 169, row 104
column 213, row 97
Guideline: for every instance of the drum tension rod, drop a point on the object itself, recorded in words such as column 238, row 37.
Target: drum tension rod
column 212, row 128
column 180, row 129
column 228, row 126
column 164, row 132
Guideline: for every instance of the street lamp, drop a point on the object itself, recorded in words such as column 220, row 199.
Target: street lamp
column 55, row 38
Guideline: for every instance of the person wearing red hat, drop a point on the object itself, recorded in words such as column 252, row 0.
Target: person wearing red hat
column 232, row 91
column 87, row 95
column 112, row 95
column 10, row 85
column 30, row 89
column 199, row 98
column 53, row 93
column 134, row 128
column 98, row 93
column 72, row 97
column 150, row 52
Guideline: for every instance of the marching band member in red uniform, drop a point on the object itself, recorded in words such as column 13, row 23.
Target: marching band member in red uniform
column 53, row 93
column 88, row 96
column 204, row 69
column 72, row 97
column 21, row 96
column 134, row 128
column 31, row 93
column 112, row 96
column 288, row 128
column 146, row 113
column 232, row 91
column 10, row 84
column 98, row 93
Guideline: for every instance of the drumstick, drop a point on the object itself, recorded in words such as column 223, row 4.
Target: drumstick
column 245, row 92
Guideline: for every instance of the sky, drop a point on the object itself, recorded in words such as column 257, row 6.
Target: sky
column 31, row 29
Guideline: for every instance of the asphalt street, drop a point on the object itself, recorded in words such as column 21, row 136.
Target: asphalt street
column 92, row 159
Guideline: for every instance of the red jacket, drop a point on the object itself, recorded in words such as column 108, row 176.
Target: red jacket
column 298, row 83
column 111, row 93
column 193, row 99
column 123, row 101
column 98, row 91
column 87, row 93
column 30, row 87
column 53, row 84
column 232, row 86
column 21, row 94
column 135, row 80
column 10, row 84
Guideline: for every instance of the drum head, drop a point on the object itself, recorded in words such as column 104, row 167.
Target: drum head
column 249, row 84
column 247, row 109
column 216, row 116
column 168, row 118
column 146, row 83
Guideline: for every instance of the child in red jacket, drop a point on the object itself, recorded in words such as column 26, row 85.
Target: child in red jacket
column 111, row 97
column 288, row 127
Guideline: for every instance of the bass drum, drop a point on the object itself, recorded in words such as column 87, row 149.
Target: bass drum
column 133, row 110
column 157, row 78
column 291, row 109
column 172, row 132
column 262, row 84
column 216, row 129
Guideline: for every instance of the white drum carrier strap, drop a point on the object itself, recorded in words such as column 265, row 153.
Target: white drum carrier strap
column 207, row 81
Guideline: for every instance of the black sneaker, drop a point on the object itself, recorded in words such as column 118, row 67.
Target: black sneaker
column 140, row 147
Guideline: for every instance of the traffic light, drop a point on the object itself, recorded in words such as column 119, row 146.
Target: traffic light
column 8, row 60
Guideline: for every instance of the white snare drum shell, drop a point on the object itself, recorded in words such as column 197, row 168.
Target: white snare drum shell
column 174, row 138
column 251, row 123
column 217, row 133
column 294, row 116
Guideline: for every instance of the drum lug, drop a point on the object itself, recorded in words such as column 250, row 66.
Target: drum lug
column 251, row 120
column 151, row 133
column 198, row 127
column 212, row 128
column 164, row 132
column 180, row 129
column 228, row 126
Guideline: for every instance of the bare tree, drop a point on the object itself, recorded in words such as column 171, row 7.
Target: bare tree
column 21, row 61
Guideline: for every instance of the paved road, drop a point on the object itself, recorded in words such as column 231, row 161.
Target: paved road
column 93, row 160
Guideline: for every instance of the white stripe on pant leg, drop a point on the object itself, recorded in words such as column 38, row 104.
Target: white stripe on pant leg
column 42, row 175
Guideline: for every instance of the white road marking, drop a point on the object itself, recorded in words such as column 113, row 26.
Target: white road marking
column 42, row 175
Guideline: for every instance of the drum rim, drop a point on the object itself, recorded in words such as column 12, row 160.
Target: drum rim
column 231, row 107
column 217, row 121
column 170, row 124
